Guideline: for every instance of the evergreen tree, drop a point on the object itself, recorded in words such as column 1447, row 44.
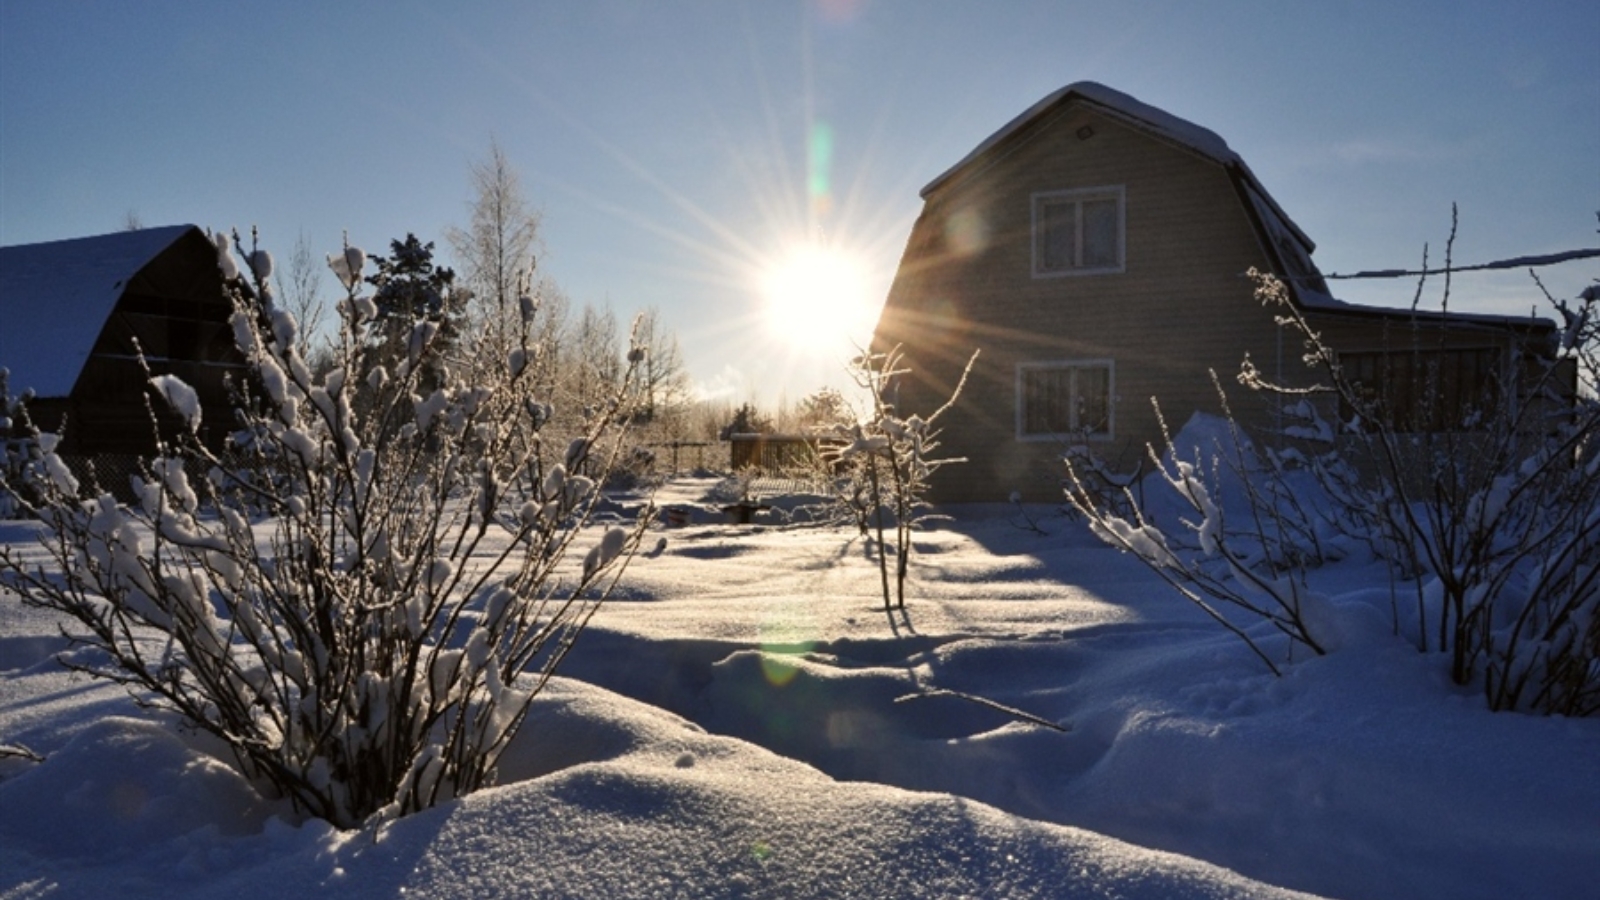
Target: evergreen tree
column 746, row 420
column 408, row 288
column 823, row 409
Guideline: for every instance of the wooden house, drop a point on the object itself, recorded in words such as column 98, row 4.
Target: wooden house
column 1095, row 249
column 76, row 314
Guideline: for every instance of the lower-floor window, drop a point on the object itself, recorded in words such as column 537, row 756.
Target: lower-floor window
column 1064, row 399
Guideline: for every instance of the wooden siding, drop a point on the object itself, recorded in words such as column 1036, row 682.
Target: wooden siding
column 1516, row 346
column 1181, row 307
column 174, row 310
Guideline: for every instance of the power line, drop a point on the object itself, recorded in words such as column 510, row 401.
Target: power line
column 1518, row 262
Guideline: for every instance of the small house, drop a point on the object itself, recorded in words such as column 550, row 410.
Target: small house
column 76, row 315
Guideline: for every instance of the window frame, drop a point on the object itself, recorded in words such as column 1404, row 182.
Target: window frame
column 1078, row 196
column 1072, row 433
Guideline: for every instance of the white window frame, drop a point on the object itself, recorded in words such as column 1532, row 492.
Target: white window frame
column 1072, row 433
column 1077, row 197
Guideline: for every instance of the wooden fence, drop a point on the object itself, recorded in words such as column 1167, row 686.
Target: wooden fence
column 779, row 452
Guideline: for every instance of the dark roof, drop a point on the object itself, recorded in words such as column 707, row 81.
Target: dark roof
column 56, row 296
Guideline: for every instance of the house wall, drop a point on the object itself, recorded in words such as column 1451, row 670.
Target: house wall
column 1181, row 307
column 1399, row 332
column 1518, row 353
column 175, row 312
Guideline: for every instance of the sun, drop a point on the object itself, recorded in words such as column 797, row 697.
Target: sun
column 818, row 298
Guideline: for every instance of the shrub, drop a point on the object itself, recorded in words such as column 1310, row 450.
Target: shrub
column 1494, row 519
column 1259, row 568
column 887, row 462
column 362, row 597
column 1487, row 507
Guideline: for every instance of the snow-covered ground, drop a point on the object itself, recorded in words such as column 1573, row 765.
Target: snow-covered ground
column 744, row 720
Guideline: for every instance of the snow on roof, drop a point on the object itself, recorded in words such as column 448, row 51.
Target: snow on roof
column 1151, row 120
column 56, row 296
column 1181, row 131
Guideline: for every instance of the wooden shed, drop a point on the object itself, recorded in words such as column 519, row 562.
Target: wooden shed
column 75, row 315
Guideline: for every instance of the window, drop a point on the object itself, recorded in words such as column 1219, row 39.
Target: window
column 1426, row 390
column 1070, row 399
column 1077, row 232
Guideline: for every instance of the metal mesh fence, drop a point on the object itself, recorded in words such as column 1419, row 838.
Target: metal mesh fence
column 113, row 473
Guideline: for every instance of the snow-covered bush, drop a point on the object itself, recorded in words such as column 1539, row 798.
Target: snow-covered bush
column 1493, row 522
column 17, row 451
column 1257, row 565
column 887, row 461
column 363, row 596
column 1490, row 523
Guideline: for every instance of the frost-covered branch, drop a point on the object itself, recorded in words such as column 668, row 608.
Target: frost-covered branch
column 1205, row 557
column 888, row 461
column 1494, row 518
column 362, row 596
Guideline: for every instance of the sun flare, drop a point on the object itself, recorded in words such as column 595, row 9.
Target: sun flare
column 818, row 298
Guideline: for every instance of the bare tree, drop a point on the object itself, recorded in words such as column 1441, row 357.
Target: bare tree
column 553, row 330
column 595, row 358
column 299, row 293
column 888, row 459
column 496, row 253
column 663, row 383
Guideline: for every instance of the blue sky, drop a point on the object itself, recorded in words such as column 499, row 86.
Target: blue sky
column 666, row 144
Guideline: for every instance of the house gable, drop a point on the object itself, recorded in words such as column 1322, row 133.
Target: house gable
column 55, row 298
column 79, row 313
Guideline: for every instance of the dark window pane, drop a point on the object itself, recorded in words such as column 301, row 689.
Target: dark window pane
column 1057, row 236
column 1067, row 400
column 1094, row 400
column 1100, row 234
column 1047, row 401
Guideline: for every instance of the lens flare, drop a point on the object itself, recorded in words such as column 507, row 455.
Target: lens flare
column 819, row 163
column 787, row 634
column 776, row 669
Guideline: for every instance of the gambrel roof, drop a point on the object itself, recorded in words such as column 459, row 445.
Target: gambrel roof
column 1112, row 102
column 55, row 297
column 1280, row 236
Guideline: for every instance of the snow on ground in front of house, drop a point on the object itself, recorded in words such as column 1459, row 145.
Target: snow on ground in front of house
column 745, row 720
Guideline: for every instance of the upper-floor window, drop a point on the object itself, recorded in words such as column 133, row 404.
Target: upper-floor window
column 1064, row 400
column 1078, row 232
